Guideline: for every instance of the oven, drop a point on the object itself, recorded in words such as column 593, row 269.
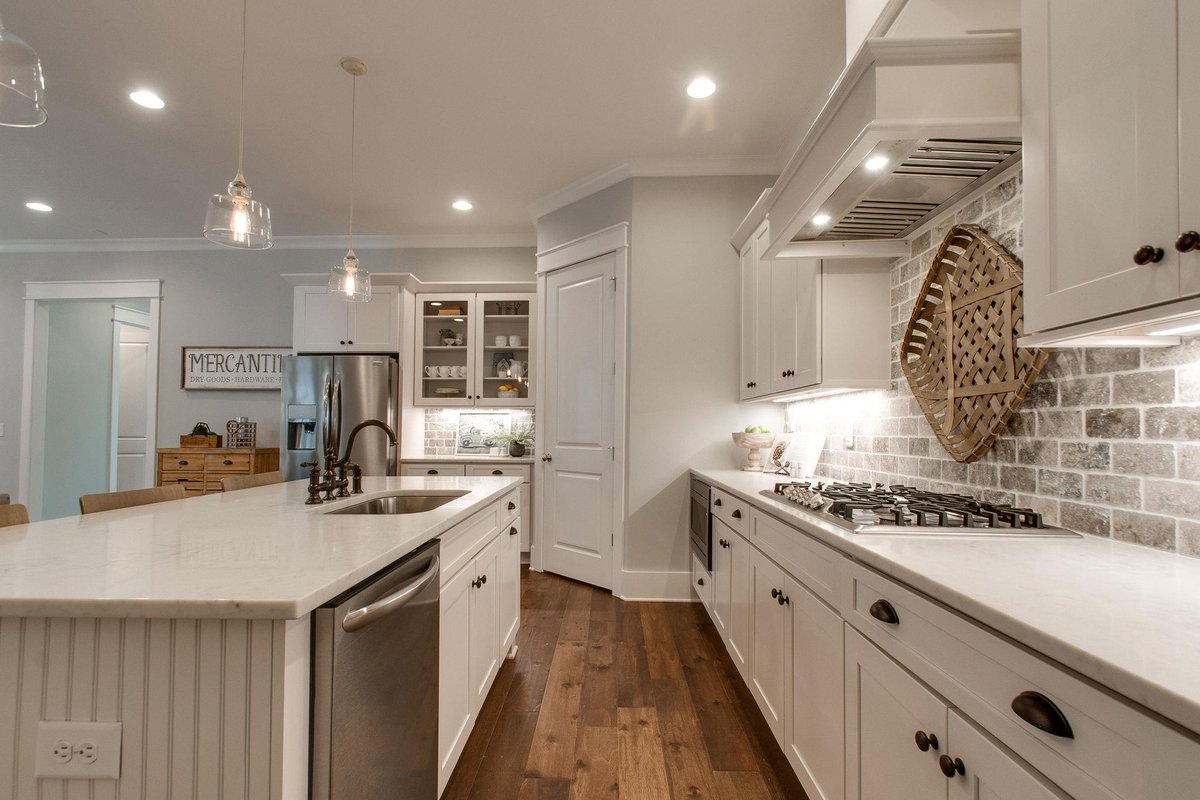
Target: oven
column 700, row 529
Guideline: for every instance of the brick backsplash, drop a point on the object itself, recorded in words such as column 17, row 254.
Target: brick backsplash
column 1107, row 442
column 441, row 427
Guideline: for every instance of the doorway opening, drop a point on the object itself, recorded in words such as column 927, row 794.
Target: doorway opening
column 90, row 392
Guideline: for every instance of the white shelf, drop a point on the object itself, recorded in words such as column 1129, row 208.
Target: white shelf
column 510, row 317
column 462, row 347
column 507, row 347
column 444, row 379
column 448, row 317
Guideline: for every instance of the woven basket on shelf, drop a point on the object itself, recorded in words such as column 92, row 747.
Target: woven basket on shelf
column 960, row 351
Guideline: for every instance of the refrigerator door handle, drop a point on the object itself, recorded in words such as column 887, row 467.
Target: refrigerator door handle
column 336, row 414
column 326, row 413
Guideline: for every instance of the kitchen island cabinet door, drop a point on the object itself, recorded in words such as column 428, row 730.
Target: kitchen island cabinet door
column 771, row 662
column 510, row 584
column 738, row 626
column 455, row 716
column 485, row 623
column 885, row 708
column 1101, row 157
column 990, row 770
column 817, row 719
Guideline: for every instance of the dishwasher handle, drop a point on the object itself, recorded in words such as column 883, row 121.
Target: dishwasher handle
column 362, row 617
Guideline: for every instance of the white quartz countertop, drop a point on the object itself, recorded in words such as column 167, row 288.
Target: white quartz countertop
column 1126, row 616
column 468, row 459
column 251, row 554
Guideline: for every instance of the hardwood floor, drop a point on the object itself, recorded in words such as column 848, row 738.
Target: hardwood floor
column 610, row 699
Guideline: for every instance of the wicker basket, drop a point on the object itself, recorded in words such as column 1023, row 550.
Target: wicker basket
column 960, row 351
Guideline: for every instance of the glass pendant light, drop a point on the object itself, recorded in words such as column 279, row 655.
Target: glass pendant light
column 349, row 281
column 234, row 218
column 22, row 84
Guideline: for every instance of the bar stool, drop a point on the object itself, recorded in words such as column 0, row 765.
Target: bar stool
column 235, row 482
column 108, row 501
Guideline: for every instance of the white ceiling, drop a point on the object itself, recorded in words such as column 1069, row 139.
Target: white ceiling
column 500, row 102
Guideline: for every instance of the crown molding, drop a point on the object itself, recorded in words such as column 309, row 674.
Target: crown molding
column 653, row 167
column 337, row 242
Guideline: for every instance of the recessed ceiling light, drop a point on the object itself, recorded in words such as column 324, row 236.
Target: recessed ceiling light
column 147, row 99
column 876, row 163
column 821, row 219
column 701, row 87
column 462, row 205
column 34, row 205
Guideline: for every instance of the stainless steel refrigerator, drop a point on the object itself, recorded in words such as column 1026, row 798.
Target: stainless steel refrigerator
column 324, row 397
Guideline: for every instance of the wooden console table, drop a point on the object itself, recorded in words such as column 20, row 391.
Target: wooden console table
column 200, row 469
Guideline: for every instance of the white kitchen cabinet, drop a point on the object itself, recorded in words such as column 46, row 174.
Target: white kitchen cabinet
column 886, row 708
column 816, row 745
column 325, row 323
column 812, row 325
column 731, row 593
column 702, row 582
column 455, row 717
column 1109, row 128
column 465, row 373
column 510, row 583
column 990, row 770
column 770, row 662
column 485, row 623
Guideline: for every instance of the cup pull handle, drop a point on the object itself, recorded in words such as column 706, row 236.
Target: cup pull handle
column 1041, row 712
column 885, row 612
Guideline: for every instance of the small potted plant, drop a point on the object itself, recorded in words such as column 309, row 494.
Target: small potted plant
column 515, row 440
column 447, row 337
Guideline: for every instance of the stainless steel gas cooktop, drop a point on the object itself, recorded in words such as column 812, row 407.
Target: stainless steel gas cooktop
column 877, row 509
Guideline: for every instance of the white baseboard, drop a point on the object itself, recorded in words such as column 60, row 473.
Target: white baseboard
column 673, row 587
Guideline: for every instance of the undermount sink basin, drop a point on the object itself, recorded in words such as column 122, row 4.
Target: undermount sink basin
column 401, row 504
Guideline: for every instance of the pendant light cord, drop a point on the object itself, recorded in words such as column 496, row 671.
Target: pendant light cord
column 242, row 98
column 353, row 125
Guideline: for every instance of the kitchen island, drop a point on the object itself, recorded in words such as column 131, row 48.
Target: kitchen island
column 188, row 622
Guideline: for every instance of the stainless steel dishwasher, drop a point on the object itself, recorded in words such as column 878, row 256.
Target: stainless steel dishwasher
column 375, row 686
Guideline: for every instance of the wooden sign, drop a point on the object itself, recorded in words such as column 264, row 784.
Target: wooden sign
column 233, row 367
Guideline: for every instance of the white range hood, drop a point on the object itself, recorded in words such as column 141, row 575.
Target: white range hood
column 911, row 126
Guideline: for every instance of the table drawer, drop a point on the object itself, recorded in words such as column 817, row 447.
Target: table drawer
column 189, row 463
column 432, row 469
column 227, row 462
column 732, row 511
column 509, row 470
column 1113, row 750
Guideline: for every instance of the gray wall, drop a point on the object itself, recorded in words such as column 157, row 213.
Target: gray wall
column 212, row 297
column 604, row 208
column 683, row 357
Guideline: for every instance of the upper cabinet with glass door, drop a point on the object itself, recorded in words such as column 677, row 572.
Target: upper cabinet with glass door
column 474, row 350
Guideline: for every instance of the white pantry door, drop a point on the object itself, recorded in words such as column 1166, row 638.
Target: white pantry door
column 577, row 528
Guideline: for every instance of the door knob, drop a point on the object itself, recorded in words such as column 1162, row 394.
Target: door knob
column 1147, row 254
column 547, row 457
column 1188, row 241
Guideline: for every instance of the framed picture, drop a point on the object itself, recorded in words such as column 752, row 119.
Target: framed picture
column 257, row 368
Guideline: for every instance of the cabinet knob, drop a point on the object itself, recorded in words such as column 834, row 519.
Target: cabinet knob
column 723, row 542
column 1041, row 712
column 775, row 593
column 926, row 741
column 547, row 457
column 1188, row 241
column 349, row 341
column 952, row 766
column 1147, row 254
column 885, row 612
column 341, row 341
column 784, row 599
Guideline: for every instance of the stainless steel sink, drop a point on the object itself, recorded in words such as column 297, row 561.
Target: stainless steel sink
column 401, row 503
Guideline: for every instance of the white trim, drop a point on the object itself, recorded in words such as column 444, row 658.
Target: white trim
column 33, row 374
column 656, row 586
column 866, row 248
column 614, row 239
column 598, row 243
column 335, row 242
column 654, row 167
column 413, row 284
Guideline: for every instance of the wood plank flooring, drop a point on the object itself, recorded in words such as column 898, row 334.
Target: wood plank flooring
column 609, row 699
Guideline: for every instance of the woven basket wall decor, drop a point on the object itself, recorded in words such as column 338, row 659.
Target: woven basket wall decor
column 960, row 351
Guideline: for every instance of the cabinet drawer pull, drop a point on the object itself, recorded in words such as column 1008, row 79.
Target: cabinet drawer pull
column 432, row 472
column 183, row 463
column 737, row 514
column 1041, row 712
column 512, row 531
column 925, row 741
column 512, row 506
column 497, row 472
column 717, row 502
column 952, row 766
column 885, row 612
column 1147, row 254
column 700, row 581
column 227, row 462
column 1188, row 241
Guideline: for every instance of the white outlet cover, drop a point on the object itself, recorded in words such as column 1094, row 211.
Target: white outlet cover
column 106, row 736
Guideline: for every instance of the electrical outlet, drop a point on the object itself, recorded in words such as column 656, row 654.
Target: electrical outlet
column 1, row 429
column 848, row 442
column 82, row 750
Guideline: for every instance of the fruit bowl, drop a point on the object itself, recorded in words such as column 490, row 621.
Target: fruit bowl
column 755, row 443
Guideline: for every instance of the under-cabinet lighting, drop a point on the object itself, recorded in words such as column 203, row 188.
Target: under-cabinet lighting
column 1175, row 327
column 876, row 163
column 147, row 99
column 34, row 205
column 701, row 87
column 821, row 219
